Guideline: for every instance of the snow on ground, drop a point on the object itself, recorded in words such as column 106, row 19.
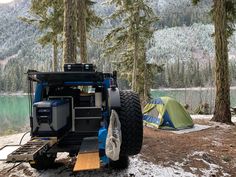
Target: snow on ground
column 196, row 127
column 20, row 93
column 138, row 167
column 13, row 139
column 208, row 117
column 204, row 157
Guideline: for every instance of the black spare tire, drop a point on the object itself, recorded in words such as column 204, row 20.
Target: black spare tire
column 131, row 119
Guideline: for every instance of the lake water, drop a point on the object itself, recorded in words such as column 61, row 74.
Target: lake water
column 194, row 97
column 14, row 111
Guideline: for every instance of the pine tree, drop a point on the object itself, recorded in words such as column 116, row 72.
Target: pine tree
column 182, row 74
column 70, row 31
column 224, row 15
column 129, row 39
column 47, row 15
column 222, row 102
column 87, row 19
column 82, row 15
column 1, row 81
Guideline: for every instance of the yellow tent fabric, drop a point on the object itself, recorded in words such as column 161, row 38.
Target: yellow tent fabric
column 160, row 109
column 169, row 114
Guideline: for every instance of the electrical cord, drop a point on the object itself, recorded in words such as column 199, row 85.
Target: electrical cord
column 30, row 99
column 14, row 166
column 23, row 137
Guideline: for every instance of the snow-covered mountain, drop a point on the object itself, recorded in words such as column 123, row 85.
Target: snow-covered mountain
column 183, row 33
column 186, row 43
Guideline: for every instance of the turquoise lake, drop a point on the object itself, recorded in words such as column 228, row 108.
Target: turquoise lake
column 14, row 110
column 14, row 113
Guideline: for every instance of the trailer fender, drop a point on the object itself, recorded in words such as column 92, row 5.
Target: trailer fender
column 113, row 98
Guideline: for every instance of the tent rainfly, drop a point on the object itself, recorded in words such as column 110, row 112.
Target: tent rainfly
column 167, row 113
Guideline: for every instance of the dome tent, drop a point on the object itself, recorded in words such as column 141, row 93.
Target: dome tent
column 166, row 112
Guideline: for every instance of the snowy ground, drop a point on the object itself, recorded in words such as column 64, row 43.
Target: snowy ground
column 197, row 127
column 208, row 117
column 138, row 166
column 211, row 123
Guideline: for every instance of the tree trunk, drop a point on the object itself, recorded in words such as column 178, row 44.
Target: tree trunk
column 136, row 49
column 55, row 54
column 146, row 85
column 222, row 101
column 82, row 30
column 69, row 34
column 135, row 60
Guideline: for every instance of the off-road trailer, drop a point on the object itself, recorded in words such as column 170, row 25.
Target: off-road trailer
column 70, row 112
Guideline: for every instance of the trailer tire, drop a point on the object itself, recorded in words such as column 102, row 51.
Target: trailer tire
column 44, row 161
column 131, row 119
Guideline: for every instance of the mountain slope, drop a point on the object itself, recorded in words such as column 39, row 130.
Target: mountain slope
column 182, row 34
column 19, row 50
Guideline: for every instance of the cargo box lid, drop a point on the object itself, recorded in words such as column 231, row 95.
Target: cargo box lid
column 50, row 103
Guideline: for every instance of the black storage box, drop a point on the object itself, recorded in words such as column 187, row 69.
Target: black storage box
column 79, row 67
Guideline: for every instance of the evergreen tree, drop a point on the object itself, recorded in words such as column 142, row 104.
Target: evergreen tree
column 82, row 30
column 224, row 15
column 1, row 80
column 70, row 31
column 129, row 39
column 182, row 74
column 47, row 15
column 87, row 19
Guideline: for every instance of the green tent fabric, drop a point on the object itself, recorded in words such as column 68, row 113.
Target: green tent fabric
column 166, row 112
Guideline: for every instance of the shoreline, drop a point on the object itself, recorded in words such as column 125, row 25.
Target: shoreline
column 20, row 93
column 13, row 94
column 189, row 88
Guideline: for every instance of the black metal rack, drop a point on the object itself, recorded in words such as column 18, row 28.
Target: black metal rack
column 61, row 77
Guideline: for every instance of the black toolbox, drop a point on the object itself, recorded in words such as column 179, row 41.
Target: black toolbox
column 79, row 67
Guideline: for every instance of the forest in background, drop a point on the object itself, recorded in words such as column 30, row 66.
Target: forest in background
column 182, row 45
